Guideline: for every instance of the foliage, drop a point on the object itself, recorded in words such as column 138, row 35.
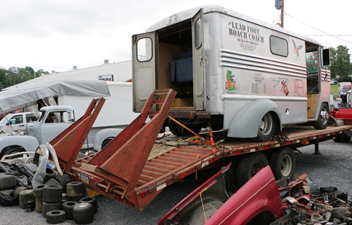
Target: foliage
column 15, row 75
column 340, row 62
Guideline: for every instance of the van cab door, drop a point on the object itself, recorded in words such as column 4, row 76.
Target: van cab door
column 143, row 68
column 198, row 60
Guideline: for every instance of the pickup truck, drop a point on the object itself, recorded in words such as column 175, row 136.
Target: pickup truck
column 16, row 122
column 34, row 133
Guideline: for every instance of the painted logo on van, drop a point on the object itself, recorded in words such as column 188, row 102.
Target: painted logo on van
column 284, row 87
column 297, row 49
column 231, row 83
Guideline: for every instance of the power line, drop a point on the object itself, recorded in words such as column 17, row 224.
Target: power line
column 327, row 34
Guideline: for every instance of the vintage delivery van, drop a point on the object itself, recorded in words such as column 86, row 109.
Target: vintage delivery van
column 243, row 75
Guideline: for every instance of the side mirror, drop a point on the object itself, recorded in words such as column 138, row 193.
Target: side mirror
column 326, row 57
column 7, row 123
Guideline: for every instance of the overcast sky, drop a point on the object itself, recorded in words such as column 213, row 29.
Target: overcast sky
column 59, row 34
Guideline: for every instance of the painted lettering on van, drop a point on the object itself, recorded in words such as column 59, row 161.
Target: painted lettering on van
column 245, row 32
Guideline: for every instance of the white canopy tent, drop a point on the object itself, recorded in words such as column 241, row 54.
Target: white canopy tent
column 27, row 95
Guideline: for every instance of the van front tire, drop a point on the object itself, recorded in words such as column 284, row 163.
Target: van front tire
column 323, row 117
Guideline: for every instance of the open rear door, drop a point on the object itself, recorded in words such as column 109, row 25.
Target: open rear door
column 198, row 60
column 143, row 68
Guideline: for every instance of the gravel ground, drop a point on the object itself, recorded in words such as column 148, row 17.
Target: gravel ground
column 332, row 168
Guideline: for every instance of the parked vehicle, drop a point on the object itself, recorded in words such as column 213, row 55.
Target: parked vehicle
column 241, row 74
column 345, row 95
column 343, row 116
column 16, row 122
column 77, row 95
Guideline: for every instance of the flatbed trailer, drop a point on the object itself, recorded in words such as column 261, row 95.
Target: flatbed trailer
column 130, row 171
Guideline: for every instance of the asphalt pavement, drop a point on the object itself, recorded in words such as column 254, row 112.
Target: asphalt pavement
column 332, row 168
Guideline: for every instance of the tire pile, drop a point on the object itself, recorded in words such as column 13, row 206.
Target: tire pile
column 58, row 200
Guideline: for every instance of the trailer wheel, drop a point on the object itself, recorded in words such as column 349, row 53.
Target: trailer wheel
column 282, row 162
column 248, row 166
column 323, row 117
column 337, row 138
column 266, row 128
column 344, row 138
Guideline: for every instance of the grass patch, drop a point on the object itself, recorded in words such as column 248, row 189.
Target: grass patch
column 334, row 88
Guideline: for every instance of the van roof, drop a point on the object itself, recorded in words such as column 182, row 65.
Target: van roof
column 188, row 14
column 346, row 86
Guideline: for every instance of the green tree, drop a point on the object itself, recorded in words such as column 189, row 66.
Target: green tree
column 340, row 62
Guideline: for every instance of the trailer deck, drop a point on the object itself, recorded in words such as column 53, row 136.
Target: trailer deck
column 129, row 170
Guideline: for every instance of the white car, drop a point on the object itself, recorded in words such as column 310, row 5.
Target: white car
column 16, row 122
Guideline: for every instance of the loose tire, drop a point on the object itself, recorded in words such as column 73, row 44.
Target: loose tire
column 68, row 207
column 8, row 192
column 266, row 128
column 49, row 173
column 282, row 162
column 52, row 194
column 38, row 191
column 344, row 138
column 7, row 182
column 18, row 190
column 248, row 166
column 75, row 189
column 26, row 195
column 55, row 216
column 83, row 213
column 63, row 180
column 47, row 207
column 323, row 117
column 92, row 201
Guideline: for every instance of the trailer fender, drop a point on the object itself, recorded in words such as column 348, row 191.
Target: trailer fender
column 104, row 134
column 245, row 124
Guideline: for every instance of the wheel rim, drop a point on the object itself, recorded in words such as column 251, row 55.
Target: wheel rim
column 324, row 116
column 266, row 124
column 286, row 166
column 255, row 169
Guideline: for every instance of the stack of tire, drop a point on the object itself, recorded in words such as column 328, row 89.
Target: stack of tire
column 59, row 200
column 8, row 187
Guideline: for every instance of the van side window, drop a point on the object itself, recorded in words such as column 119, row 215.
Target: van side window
column 278, row 46
column 198, row 33
column 144, row 49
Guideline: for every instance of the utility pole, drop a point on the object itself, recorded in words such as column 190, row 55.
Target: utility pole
column 279, row 5
column 282, row 13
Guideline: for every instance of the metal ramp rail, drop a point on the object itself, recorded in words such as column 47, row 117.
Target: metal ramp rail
column 116, row 170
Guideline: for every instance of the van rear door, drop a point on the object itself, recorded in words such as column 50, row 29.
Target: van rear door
column 198, row 60
column 143, row 68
